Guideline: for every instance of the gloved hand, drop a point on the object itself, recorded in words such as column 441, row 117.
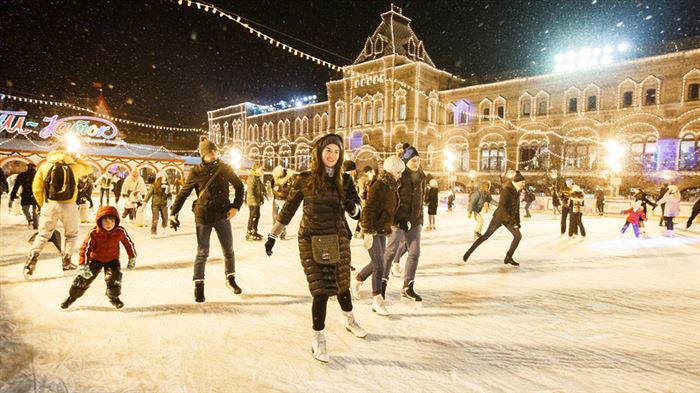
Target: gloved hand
column 271, row 239
column 84, row 271
column 402, row 223
column 351, row 208
column 131, row 264
column 367, row 241
column 174, row 222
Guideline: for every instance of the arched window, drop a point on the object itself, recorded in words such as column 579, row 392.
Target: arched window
column 302, row 157
column 693, row 91
column 341, row 117
column 533, row 156
column 379, row 113
column 285, row 152
column 689, row 154
column 643, row 152
column 268, row 158
column 493, row 157
column 627, row 99
column 580, row 155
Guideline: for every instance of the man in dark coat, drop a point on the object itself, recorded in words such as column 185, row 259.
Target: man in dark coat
column 508, row 215
column 693, row 214
column 212, row 210
column 27, row 201
column 600, row 201
column 408, row 222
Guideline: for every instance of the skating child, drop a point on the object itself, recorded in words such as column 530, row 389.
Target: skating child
column 432, row 201
column 131, row 203
column 100, row 250
column 576, row 212
column 635, row 214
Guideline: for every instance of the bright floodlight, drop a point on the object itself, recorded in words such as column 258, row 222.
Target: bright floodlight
column 570, row 55
column 622, row 47
column 607, row 49
column 584, row 53
column 596, row 51
column 606, row 59
column 559, row 58
column 72, row 142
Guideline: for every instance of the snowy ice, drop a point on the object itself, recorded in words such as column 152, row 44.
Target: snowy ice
column 599, row 314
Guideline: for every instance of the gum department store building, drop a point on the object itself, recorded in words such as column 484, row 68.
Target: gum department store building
column 552, row 126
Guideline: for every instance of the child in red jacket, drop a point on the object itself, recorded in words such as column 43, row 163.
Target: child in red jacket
column 634, row 215
column 100, row 250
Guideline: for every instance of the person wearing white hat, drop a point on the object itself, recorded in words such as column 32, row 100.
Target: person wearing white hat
column 377, row 219
column 672, row 200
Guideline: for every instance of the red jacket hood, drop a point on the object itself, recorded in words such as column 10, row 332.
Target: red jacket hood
column 107, row 211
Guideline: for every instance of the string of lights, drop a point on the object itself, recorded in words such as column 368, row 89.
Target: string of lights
column 111, row 118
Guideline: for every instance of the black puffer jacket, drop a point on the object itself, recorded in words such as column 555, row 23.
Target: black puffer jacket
column 411, row 198
column 380, row 208
column 323, row 215
column 215, row 203
column 24, row 180
column 508, row 210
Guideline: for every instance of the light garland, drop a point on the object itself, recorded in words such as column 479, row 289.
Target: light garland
column 76, row 107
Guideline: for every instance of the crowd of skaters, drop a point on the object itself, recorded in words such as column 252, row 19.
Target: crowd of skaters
column 388, row 206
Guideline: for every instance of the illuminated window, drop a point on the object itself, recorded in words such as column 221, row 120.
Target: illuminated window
column 402, row 111
column 650, row 97
column 341, row 118
column 526, row 109
column 542, row 107
column 380, row 113
column 592, row 103
column 689, row 154
column 368, row 114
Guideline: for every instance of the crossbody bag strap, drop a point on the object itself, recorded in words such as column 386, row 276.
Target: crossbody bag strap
column 211, row 180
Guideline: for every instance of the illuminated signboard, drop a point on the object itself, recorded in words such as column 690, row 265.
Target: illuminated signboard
column 85, row 126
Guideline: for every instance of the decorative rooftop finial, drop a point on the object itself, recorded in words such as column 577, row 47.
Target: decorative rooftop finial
column 396, row 9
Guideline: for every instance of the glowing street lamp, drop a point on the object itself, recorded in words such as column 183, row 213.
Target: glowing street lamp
column 72, row 142
column 235, row 158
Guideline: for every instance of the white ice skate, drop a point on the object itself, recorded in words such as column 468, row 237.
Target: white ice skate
column 355, row 287
column 378, row 305
column 318, row 347
column 352, row 326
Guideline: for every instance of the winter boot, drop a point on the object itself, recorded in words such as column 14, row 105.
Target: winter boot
column 378, row 305
column 67, row 265
column 407, row 291
column 396, row 269
column 384, row 284
column 318, row 347
column 510, row 261
column 352, row 326
column 30, row 265
column 231, row 284
column 355, row 287
column 199, row 291
column 66, row 303
column 256, row 235
column 116, row 302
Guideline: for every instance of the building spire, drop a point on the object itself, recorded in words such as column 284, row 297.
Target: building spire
column 396, row 9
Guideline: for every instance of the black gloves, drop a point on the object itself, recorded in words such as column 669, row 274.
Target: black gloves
column 271, row 239
column 402, row 223
column 174, row 222
column 352, row 208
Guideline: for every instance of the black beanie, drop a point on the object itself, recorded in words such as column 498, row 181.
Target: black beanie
column 349, row 165
column 408, row 152
column 518, row 177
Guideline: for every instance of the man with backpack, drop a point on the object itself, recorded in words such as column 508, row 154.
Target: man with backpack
column 55, row 190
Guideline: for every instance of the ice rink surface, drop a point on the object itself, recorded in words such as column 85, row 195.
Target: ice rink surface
column 600, row 314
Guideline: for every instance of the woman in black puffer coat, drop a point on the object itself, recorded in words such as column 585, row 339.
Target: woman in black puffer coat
column 326, row 194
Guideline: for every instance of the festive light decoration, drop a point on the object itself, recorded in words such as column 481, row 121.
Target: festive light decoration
column 83, row 109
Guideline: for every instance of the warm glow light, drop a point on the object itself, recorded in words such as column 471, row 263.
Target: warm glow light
column 72, row 142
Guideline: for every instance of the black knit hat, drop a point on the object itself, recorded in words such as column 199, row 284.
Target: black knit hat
column 518, row 177
column 408, row 152
column 349, row 165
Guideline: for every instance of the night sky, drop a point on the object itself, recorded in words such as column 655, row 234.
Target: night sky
column 169, row 64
